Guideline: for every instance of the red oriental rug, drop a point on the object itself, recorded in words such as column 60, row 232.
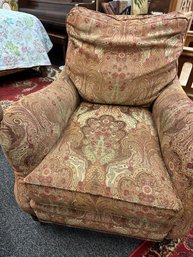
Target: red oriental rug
column 15, row 86
column 166, row 248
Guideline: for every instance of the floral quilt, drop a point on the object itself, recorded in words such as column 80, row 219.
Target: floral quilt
column 23, row 41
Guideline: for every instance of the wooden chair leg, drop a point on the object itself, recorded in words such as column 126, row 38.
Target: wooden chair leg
column 35, row 218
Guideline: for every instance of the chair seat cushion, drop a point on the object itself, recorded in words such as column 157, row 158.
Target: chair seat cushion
column 108, row 160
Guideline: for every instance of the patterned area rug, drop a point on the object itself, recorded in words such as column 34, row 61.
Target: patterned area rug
column 166, row 248
column 15, row 86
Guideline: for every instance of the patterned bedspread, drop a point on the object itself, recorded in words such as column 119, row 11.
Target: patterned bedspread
column 23, row 41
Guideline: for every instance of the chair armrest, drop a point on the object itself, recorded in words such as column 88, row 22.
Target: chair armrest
column 33, row 125
column 173, row 116
column 189, row 37
column 187, row 51
column 187, row 57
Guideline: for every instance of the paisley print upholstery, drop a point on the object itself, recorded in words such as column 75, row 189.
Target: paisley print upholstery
column 112, row 152
column 173, row 115
column 105, row 222
column 108, row 161
column 33, row 125
column 124, row 167
column 125, row 60
column 29, row 129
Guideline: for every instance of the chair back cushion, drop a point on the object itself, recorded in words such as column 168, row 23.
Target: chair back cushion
column 123, row 59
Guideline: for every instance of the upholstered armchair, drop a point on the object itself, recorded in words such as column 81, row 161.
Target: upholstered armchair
column 109, row 145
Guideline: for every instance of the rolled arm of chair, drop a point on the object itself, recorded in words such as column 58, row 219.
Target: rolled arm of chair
column 173, row 116
column 33, row 125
